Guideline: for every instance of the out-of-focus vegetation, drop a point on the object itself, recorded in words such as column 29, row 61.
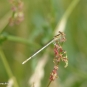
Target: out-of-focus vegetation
column 20, row 41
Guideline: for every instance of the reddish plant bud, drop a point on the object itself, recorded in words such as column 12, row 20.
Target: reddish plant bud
column 20, row 5
column 56, row 50
column 58, row 59
column 14, row 8
column 53, row 76
column 60, row 49
column 17, row 8
column 56, row 67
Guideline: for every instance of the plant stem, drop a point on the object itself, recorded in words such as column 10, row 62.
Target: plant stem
column 49, row 84
column 21, row 40
column 7, row 67
column 17, row 39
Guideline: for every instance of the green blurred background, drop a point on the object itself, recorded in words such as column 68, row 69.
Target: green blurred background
column 40, row 22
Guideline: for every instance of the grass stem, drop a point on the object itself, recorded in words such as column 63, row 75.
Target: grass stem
column 7, row 67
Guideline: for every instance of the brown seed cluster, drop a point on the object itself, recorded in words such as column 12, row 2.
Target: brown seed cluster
column 60, row 55
column 17, row 9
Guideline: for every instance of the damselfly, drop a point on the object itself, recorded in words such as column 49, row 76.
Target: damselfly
column 53, row 40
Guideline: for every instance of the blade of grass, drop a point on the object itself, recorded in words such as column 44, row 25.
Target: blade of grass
column 7, row 67
column 61, row 25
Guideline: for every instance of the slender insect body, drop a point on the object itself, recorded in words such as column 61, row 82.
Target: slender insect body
column 52, row 41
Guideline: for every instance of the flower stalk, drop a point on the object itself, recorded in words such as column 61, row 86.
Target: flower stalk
column 60, row 55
